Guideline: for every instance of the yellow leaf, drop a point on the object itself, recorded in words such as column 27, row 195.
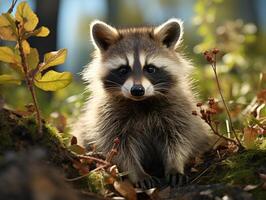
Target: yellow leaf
column 26, row 47
column 42, row 31
column 9, row 56
column 7, row 27
column 33, row 58
column 6, row 33
column 9, row 79
column 54, row 58
column 4, row 21
column 26, row 16
column 52, row 80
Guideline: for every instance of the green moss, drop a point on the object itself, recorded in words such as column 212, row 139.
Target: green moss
column 18, row 133
column 241, row 169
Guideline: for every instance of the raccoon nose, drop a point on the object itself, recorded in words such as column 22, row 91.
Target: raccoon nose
column 137, row 90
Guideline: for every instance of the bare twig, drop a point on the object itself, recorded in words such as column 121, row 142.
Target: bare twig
column 218, row 134
column 10, row 10
column 77, row 178
column 92, row 158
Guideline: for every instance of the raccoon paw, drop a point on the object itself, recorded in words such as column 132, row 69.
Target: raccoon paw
column 148, row 183
column 178, row 180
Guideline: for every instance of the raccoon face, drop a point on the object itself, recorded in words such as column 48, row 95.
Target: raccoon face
column 137, row 63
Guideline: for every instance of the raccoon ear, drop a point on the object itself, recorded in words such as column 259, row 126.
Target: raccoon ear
column 170, row 33
column 102, row 35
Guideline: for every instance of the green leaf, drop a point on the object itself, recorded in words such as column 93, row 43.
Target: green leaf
column 26, row 16
column 9, row 79
column 9, row 56
column 8, row 29
column 33, row 58
column 52, row 80
column 54, row 58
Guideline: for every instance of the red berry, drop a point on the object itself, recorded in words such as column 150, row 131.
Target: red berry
column 215, row 51
column 205, row 53
column 209, row 58
column 199, row 104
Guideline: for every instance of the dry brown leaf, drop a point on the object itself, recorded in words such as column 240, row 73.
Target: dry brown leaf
column 262, row 95
column 250, row 187
column 125, row 189
column 250, row 136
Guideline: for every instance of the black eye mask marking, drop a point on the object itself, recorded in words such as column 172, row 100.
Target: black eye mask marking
column 116, row 77
column 161, row 79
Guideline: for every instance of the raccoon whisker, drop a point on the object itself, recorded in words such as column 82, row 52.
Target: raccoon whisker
column 162, row 95
column 163, row 84
column 109, row 81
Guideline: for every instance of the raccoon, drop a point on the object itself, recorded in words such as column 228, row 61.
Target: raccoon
column 141, row 93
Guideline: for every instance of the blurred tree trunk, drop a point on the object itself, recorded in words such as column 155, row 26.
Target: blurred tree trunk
column 112, row 11
column 247, row 10
column 47, row 12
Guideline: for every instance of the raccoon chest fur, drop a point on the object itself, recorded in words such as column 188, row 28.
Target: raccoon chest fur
column 146, row 130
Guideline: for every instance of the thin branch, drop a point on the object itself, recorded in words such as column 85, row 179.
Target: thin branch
column 93, row 158
column 10, row 10
column 218, row 134
column 77, row 178
column 224, row 103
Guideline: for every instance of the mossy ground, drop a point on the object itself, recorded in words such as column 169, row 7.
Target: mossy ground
column 19, row 133
column 240, row 169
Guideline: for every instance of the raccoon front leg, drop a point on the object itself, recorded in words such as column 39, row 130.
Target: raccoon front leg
column 174, row 166
column 130, row 161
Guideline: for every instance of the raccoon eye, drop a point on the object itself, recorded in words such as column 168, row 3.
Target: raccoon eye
column 124, row 69
column 150, row 69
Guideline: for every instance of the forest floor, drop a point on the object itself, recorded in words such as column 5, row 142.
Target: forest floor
column 32, row 163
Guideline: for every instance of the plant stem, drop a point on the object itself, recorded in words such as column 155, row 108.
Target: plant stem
column 10, row 10
column 219, row 135
column 224, row 103
column 29, row 82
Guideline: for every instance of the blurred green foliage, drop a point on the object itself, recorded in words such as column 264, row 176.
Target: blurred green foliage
column 241, row 72
column 241, row 67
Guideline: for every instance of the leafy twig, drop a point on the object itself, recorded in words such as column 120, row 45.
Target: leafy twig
column 211, row 58
column 29, row 80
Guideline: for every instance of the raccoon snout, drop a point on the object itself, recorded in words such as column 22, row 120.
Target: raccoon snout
column 137, row 90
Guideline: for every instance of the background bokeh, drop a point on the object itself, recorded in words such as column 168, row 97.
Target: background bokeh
column 237, row 28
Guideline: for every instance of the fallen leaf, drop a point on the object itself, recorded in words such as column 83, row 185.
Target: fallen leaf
column 262, row 95
column 126, row 189
column 73, row 140
column 250, row 136
column 250, row 187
